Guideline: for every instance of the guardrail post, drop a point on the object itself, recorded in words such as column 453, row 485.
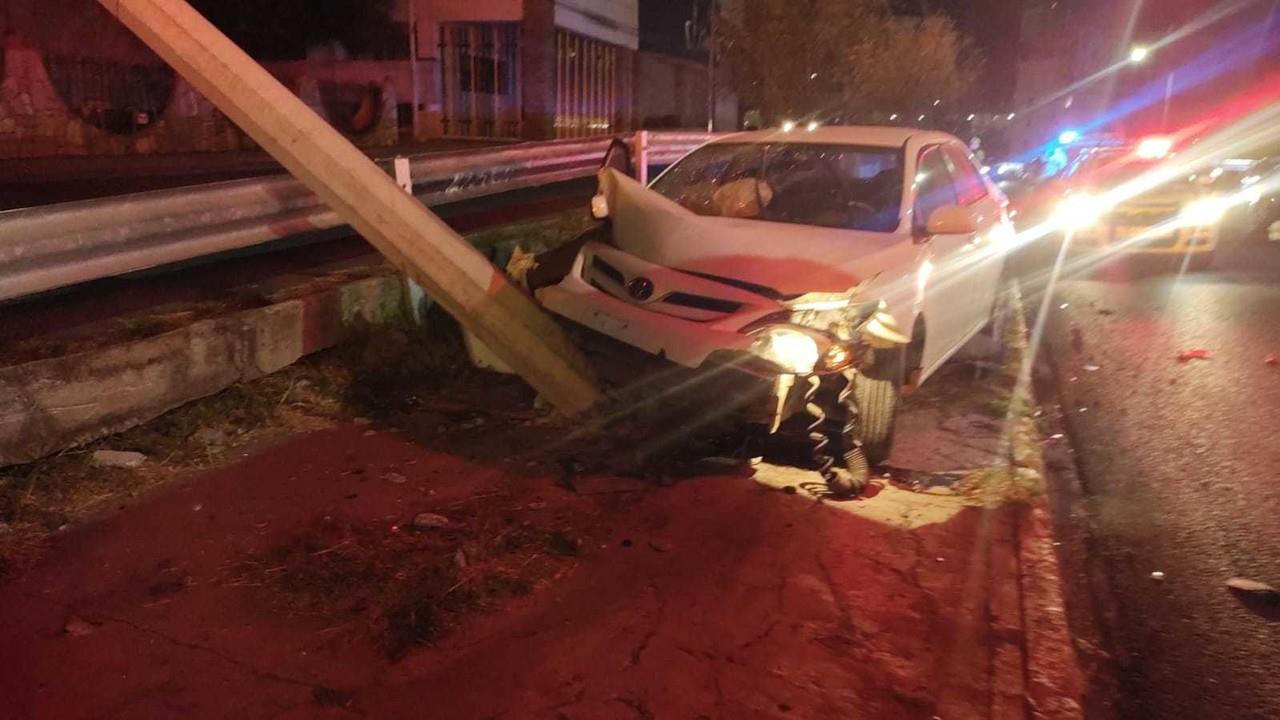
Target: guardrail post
column 642, row 157
column 419, row 301
column 416, row 241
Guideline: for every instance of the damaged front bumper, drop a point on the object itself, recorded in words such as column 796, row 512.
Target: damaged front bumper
column 682, row 341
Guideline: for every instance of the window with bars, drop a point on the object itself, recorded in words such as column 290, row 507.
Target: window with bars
column 480, row 79
column 586, row 86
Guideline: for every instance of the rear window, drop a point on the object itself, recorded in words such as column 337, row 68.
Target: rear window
column 839, row 186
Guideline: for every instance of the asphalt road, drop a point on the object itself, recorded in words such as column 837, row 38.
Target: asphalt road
column 1179, row 465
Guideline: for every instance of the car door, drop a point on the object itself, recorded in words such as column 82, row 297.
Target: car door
column 985, row 264
column 942, row 281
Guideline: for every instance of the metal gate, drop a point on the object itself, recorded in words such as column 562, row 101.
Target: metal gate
column 586, row 86
column 480, row 79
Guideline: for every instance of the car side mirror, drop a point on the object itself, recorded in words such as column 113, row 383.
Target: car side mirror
column 952, row 220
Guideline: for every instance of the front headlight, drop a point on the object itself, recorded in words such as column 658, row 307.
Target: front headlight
column 1205, row 211
column 1079, row 212
column 800, row 351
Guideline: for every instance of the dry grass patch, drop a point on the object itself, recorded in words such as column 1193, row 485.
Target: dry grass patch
column 404, row 586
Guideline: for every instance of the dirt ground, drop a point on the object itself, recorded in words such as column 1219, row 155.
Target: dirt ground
column 295, row 575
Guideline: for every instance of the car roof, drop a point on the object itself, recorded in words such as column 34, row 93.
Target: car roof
column 868, row 135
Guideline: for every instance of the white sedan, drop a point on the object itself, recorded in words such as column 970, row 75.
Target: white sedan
column 840, row 263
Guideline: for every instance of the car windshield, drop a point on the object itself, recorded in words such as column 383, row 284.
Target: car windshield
column 838, row 186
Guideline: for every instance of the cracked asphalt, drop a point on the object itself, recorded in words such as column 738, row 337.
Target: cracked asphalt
column 716, row 597
column 1178, row 466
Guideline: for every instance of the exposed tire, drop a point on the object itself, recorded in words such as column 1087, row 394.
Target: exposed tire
column 876, row 395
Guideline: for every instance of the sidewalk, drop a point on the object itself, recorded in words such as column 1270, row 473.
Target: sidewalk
column 257, row 588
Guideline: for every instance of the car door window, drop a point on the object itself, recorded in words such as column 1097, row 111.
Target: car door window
column 934, row 188
column 968, row 183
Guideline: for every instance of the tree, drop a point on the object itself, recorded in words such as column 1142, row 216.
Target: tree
column 848, row 58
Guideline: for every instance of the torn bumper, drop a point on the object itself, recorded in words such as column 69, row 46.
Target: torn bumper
column 682, row 341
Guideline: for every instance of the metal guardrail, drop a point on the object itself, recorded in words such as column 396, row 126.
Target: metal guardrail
column 54, row 246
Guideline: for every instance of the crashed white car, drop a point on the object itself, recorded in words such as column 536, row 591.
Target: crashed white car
column 840, row 264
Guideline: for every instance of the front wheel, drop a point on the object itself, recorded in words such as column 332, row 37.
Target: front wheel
column 873, row 398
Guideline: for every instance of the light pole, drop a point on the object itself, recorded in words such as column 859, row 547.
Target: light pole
column 413, row 68
column 697, row 34
column 711, row 71
column 711, row 68
column 1138, row 55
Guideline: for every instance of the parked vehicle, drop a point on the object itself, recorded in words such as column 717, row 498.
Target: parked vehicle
column 838, row 265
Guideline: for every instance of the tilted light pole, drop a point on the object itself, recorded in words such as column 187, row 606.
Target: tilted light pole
column 416, row 241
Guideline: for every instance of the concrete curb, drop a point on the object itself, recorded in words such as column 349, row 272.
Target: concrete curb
column 54, row 404
column 1053, row 683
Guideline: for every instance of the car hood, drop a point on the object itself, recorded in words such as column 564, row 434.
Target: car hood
column 785, row 258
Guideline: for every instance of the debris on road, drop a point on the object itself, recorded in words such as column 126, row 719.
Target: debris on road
column 1090, row 368
column 430, row 521
column 1157, row 575
column 329, row 697
column 1194, row 354
column 661, row 546
column 1273, row 360
column 395, row 478
column 1253, row 587
column 118, row 458
column 78, row 627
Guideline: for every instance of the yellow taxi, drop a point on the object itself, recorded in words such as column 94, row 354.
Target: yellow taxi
column 1161, row 210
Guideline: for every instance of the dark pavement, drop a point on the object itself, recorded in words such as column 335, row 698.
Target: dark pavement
column 1179, row 467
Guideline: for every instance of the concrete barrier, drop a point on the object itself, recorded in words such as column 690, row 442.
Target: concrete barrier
column 50, row 405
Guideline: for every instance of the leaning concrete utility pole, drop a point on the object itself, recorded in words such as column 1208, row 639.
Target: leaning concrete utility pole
column 401, row 228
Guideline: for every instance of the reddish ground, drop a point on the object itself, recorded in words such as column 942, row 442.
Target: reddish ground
column 715, row 597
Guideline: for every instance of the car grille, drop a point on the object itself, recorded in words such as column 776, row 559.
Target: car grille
column 607, row 270
column 702, row 302
column 610, row 280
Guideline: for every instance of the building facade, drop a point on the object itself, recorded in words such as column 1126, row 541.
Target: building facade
column 521, row 68
column 74, row 81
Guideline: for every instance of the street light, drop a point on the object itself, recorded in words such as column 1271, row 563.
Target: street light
column 1139, row 54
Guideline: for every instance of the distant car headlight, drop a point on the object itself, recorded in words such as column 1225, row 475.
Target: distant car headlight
column 1079, row 212
column 800, row 351
column 1205, row 211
